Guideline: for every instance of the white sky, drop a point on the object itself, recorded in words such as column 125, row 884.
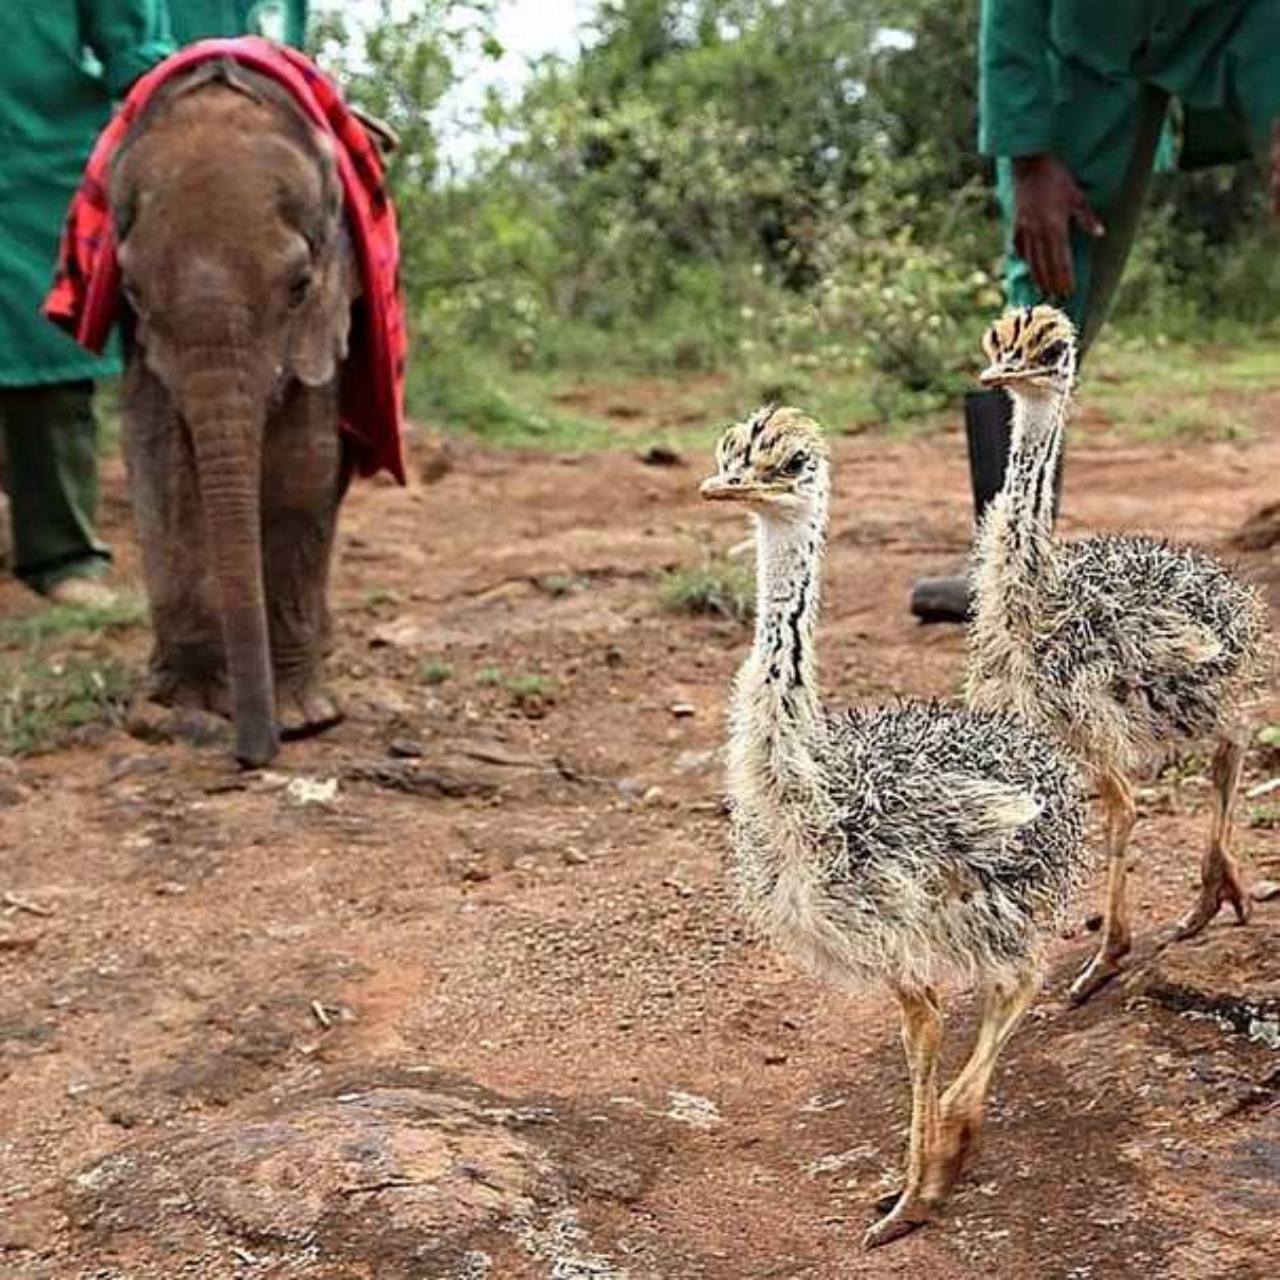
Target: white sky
column 526, row 29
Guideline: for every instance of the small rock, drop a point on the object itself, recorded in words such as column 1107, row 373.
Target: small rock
column 662, row 455
column 406, row 750
column 631, row 787
column 20, row 942
column 11, row 793
column 169, row 889
column 436, row 458
column 574, row 857
column 774, row 1057
column 694, row 761
column 1265, row 890
column 308, row 791
column 654, row 795
column 683, row 710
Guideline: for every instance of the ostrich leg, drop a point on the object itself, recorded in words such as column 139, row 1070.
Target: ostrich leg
column 1219, row 873
column 964, row 1102
column 1117, row 798
column 922, row 1039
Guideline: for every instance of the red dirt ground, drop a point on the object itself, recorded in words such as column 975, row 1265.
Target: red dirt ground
column 495, row 972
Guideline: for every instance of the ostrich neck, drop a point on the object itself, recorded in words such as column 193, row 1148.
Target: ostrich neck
column 1016, row 542
column 779, row 731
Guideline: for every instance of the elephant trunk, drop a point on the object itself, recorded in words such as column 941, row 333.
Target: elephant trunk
column 226, row 424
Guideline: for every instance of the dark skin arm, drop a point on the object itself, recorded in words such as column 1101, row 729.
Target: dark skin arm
column 1046, row 202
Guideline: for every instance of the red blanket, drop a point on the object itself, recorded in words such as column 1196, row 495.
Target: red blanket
column 85, row 298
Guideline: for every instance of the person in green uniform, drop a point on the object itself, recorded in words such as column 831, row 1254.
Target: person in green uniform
column 1075, row 97
column 282, row 20
column 62, row 64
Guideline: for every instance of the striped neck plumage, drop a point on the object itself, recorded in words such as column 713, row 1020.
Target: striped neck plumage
column 1016, row 540
column 777, row 695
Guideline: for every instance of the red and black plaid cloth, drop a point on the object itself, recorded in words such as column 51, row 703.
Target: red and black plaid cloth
column 85, row 297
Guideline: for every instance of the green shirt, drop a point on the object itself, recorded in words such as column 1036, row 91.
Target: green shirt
column 1059, row 75
column 284, row 20
column 62, row 64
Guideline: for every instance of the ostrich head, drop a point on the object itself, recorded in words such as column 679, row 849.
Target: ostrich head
column 1031, row 350
column 776, row 460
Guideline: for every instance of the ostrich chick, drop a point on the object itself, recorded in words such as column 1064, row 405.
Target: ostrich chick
column 1119, row 646
column 896, row 844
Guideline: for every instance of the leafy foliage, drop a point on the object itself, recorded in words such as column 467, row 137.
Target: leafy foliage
column 782, row 185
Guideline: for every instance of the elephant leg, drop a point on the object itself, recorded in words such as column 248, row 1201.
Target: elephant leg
column 302, row 484
column 188, row 662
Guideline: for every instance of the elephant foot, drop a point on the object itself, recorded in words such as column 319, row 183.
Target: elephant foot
column 151, row 722
column 304, row 711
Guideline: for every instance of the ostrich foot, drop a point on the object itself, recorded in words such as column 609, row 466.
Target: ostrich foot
column 1096, row 974
column 1222, row 886
column 304, row 711
column 907, row 1215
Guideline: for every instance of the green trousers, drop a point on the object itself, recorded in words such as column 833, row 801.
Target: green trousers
column 50, row 439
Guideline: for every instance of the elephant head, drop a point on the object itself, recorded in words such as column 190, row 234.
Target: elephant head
column 239, row 276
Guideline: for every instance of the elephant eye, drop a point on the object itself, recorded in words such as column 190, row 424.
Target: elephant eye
column 299, row 289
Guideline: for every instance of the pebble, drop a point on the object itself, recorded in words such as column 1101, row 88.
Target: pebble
column 683, row 710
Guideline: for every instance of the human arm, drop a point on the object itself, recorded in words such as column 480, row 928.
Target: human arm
column 1016, row 111
column 127, row 36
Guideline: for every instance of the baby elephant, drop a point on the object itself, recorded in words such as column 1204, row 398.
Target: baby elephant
column 240, row 278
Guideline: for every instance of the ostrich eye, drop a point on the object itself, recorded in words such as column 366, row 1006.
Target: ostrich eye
column 795, row 464
column 299, row 290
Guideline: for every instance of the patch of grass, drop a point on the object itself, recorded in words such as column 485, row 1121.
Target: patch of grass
column 1264, row 817
column 57, row 621
column 44, row 703
column 532, row 684
column 435, row 671
column 559, row 584
column 716, row 587
column 490, row 677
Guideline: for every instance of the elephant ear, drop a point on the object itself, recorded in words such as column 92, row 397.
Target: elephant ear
column 322, row 327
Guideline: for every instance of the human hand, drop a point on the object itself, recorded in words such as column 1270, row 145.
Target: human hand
column 1046, row 202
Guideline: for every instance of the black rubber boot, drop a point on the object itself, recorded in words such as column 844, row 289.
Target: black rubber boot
column 987, row 419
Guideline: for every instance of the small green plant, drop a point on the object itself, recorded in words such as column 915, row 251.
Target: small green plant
column 1269, row 736
column 531, row 692
column 489, row 676
column 435, row 671
column 532, row 684
column 378, row 596
column 559, row 584
column 66, row 619
column 1265, row 817
column 716, row 587
column 45, row 702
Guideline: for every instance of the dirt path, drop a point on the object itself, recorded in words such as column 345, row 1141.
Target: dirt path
column 486, row 915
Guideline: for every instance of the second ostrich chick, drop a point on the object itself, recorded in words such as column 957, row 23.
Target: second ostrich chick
column 894, row 845
column 1119, row 646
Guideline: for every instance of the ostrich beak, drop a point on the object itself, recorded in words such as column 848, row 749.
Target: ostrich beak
column 722, row 488
column 1002, row 375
